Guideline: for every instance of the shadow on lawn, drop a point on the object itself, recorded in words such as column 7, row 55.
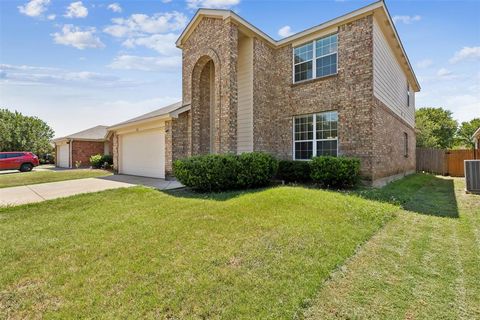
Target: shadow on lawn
column 215, row 196
column 420, row 193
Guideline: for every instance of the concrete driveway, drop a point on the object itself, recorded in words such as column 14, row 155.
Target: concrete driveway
column 52, row 190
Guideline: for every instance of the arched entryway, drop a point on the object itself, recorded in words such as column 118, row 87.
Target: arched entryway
column 204, row 107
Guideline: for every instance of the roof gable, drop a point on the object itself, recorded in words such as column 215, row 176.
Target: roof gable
column 378, row 8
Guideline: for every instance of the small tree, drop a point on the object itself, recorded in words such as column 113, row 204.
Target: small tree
column 463, row 138
column 435, row 128
column 24, row 133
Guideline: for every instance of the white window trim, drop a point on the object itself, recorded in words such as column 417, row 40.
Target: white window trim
column 314, row 59
column 314, row 140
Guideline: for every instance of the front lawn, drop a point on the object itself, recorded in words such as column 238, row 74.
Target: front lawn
column 425, row 264
column 34, row 177
column 141, row 253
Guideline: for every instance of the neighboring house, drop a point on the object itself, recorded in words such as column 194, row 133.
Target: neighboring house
column 80, row 146
column 142, row 146
column 344, row 87
column 476, row 138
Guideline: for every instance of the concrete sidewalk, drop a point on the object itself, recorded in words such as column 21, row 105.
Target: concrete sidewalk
column 52, row 190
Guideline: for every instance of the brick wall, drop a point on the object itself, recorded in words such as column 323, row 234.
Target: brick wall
column 213, row 40
column 82, row 150
column 177, row 140
column 277, row 100
column 388, row 143
column 363, row 124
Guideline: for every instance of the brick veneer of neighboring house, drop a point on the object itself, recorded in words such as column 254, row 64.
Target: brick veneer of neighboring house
column 83, row 150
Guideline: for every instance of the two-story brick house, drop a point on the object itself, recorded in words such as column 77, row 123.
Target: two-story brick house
column 344, row 87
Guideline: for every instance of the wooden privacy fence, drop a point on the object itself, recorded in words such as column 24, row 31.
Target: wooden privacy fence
column 444, row 162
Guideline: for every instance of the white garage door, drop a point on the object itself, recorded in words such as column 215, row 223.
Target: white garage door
column 143, row 154
column 63, row 160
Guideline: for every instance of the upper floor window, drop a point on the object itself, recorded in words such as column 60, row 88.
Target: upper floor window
column 316, row 59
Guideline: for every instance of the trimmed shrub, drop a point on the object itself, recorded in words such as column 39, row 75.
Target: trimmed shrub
column 294, row 171
column 225, row 171
column 211, row 172
column 255, row 169
column 106, row 161
column 96, row 161
column 335, row 172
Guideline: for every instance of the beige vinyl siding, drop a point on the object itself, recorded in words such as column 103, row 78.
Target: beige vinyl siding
column 245, row 95
column 389, row 80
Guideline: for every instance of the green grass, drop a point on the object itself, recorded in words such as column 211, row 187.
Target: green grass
column 141, row 253
column 408, row 251
column 425, row 264
column 34, row 177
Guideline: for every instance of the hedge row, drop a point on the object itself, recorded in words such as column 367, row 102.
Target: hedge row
column 257, row 169
column 218, row 172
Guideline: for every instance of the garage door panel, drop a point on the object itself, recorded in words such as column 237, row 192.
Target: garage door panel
column 63, row 156
column 143, row 154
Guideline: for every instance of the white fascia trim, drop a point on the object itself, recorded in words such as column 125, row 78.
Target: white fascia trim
column 174, row 114
column 143, row 121
column 330, row 23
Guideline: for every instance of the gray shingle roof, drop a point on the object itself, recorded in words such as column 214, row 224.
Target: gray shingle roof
column 95, row 133
column 156, row 113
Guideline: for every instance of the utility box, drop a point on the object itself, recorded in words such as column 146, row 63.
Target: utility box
column 472, row 176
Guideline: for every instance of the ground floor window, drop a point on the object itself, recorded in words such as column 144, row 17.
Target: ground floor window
column 405, row 144
column 315, row 135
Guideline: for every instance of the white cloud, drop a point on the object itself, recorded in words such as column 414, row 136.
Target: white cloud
column 464, row 106
column 51, row 17
column 76, row 10
column 138, row 24
column 163, row 64
column 285, row 31
column 34, row 8
column 162, row 43
column 444, row 73
column 78, row 37
column 24, row 74
column 406, row 19
column 115, row 7
column 213, row 4
column 425, row 63
column 466, row 53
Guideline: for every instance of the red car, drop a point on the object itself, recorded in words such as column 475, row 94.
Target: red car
column 23, row 161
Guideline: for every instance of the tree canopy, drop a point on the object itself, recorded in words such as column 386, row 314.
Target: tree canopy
column 24, row 133
column 465, row 132
column 435, row 128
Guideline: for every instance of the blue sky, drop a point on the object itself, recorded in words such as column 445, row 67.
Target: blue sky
column 77, row 64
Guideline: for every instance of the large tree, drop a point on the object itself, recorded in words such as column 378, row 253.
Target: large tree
column 464, row 134
column 435, row 128
column 24, row 133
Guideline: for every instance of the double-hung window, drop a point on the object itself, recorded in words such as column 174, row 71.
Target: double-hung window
column 315, row 135
column 316, row 59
